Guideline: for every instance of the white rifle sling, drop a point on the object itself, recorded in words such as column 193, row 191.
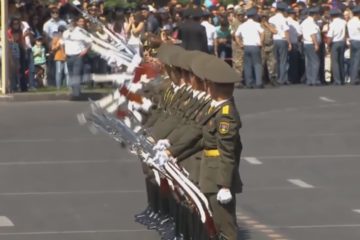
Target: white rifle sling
column 193, row 187
column 187, row 190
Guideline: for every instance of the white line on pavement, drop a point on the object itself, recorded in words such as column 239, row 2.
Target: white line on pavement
column 71, row 193
column 67, row 162
column 310, row 156
column 39, row 140
column 300, row 183
column 253, row 160
column 319, row 226
column 5, row 222
column 356, row 210
column 74, row 232
column 326, row 99
column 45, row 140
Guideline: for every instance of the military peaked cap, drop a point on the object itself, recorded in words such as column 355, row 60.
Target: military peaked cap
column 215, row 70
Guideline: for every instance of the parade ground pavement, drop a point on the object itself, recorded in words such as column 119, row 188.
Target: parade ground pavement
column 300, row 166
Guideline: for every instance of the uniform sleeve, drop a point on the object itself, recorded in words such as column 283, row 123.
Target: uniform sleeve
column 227, row 134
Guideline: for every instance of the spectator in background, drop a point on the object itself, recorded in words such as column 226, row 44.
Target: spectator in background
column 210, row 32
column 58, row 50
column 311, row 39
column 152, row 25
column 347, row 17
column 39, row 54
column 135, row 29
column 52, row 25
column 14, row 45
column 192, row 33
column 353, row 27
column 336, row 42
column 250, row 35
column 77, row 45
column 223, row 41
column 282, row 42
column 294, row 54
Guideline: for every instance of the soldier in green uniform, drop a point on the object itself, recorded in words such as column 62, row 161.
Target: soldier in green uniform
column 267, row 51
column 219, row 171
column 238, row 51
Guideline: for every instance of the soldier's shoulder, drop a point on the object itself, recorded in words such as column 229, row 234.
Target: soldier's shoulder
column 229, row 112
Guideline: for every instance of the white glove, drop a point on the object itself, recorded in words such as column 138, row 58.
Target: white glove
column 162, row 158
column 134, row 87
column 146, row 104
column 224, row 196
column 161, row 145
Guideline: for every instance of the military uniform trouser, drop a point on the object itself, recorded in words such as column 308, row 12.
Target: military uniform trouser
column 338, row 62
column 268, row 61
column 355, row 61
column 238, row 60
column 312, row 64
column 281, row 55
column 252, row 64
column 224, row 217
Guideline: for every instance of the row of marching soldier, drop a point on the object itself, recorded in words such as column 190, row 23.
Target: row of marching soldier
column 196, row 125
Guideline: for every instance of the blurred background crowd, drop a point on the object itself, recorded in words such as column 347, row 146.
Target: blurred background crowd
column 268, row 42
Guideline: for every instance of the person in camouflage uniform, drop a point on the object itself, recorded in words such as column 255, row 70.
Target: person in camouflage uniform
column 267, row 51
column 238, row 51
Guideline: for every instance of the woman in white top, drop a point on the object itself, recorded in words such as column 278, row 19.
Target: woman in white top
column 134, row 30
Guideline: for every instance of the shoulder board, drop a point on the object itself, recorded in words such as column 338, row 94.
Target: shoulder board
column 225, row 109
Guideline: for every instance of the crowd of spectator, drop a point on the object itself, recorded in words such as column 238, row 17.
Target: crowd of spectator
column 266, row 42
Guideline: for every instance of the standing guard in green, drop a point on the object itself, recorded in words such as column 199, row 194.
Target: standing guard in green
column 219, row 176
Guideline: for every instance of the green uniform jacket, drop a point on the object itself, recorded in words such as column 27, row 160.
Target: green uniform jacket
column 221, row 134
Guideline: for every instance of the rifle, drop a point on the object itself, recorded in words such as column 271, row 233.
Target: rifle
column 120, row 42
column 140, row 144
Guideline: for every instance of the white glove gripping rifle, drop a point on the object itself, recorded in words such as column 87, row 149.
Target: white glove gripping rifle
column 140, row 144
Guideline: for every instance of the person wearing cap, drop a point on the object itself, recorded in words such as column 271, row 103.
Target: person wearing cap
column 238, row 51
column 191, row 33
column 311, row 41
column 230, row 8
column 184, row 141
column 152, row 24
column 336, row 43
column 294, row 71
column 267, row 51
column 219, row 176
column 353, row 27
column 57, row 48
column 250, row 35
column 282, row 42
column 77, row 44
column 210, row 31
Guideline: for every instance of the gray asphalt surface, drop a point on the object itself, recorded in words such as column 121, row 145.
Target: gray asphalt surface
column 60, row 182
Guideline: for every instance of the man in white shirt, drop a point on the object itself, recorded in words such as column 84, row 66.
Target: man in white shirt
column 311, row 40
column 250, row 35
column 294, row 54
column 210, row 31
column 52, row 25
column 353, row 27
column 336, row 42
column 77, row 44
column 282, row 42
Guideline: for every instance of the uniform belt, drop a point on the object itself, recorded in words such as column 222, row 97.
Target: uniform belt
column 212, row 153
